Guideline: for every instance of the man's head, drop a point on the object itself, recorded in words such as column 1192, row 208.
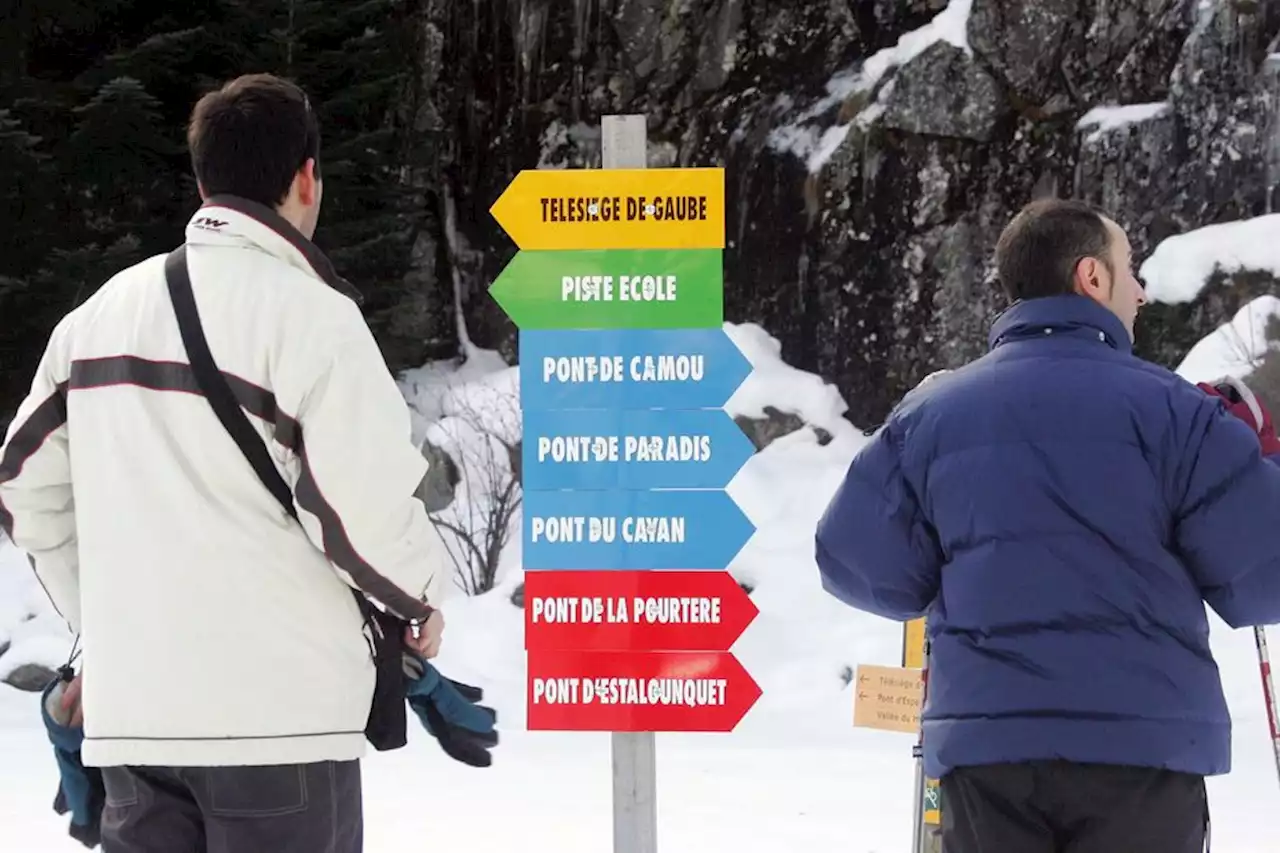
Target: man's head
column 1057, row 246
column 258, row 138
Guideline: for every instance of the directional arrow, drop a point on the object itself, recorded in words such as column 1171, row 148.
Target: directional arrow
column 644, row 449
column 637, row 691
column 632, row 530
column 635, row 611
column 629, row 369
column 626, row 289
column 614, row 209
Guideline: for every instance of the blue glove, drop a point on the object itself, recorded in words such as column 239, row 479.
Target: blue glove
column 80, row 788
column 451, row 712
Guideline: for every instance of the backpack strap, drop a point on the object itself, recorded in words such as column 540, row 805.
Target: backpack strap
column 214, row 385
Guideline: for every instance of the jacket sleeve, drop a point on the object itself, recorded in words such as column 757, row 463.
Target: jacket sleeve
column 873, row 547
column 37, row 509
column 357, row 477
column 1228, row 524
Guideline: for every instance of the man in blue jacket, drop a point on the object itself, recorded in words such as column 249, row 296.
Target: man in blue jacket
column 1061, row 511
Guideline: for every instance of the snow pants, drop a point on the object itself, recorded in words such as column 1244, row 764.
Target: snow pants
column 1060, row 807
column 291, row 808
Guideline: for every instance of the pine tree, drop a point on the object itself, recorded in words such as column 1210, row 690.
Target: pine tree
column 360, row 62
column 23, row 194
column 124, row 166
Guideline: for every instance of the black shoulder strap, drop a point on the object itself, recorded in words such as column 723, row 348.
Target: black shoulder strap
column 214, row 385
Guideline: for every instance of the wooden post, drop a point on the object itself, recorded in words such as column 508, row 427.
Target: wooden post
column 624, row 143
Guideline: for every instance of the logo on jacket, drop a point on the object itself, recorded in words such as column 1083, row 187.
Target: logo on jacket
column 208, row 223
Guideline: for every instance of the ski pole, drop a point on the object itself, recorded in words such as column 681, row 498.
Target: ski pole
column 1268, row 690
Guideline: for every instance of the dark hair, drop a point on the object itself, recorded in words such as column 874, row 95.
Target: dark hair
column 1038, row 251
column 251, row 137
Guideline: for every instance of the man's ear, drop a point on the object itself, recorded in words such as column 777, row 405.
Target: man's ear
column 306, row 182
column 204, row 196
column 1087, row 278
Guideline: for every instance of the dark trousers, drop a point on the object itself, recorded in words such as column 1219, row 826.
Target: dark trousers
column 1058, row 807
column 289, row 808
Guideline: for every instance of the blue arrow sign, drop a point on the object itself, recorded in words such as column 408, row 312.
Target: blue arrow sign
column 632, row 530
column 645, row 449
column 629, row 369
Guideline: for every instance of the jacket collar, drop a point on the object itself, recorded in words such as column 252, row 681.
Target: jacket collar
column 229, row 219
column 1070, row 314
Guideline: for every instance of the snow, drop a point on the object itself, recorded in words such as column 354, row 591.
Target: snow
column 816, row 145
column 796, row 775
column 28, row 624
column 1235, row 348
column 775, row 383
column 1104, row 119
column 1182, row 265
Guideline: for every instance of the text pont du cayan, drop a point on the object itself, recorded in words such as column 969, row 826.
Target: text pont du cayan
column 678, row 208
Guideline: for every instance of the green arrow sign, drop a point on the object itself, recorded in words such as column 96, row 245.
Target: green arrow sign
column 613, row 289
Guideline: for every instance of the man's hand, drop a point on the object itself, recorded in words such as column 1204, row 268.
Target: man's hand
column 429, row 635
column 71, row 702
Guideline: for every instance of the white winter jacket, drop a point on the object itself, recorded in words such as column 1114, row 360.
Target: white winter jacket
column 216, row 629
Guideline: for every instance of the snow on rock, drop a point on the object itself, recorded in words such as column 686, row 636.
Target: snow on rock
column 31, row 631
column 1182, row 265
column 1235, row 348
column 1105, row 119
column 429, row 389
column 802, row 136
column 775, row 383
column 814, row 144
column 469, row 410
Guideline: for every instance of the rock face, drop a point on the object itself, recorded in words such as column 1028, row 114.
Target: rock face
column 874, row 149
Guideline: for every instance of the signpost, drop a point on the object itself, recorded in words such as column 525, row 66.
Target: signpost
column 618, row 207
column 629, row 368
column 618, row 291
column 615, row 691
column 618, row 449
column 635, row 611
column 624, row 289
column 928, row 793
column 892, row 699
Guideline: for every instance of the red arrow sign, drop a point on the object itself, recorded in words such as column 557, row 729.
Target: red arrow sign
column 637, row 691
column 634, row 611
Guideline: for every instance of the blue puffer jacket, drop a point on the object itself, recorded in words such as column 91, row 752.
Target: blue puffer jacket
column 1060, row 510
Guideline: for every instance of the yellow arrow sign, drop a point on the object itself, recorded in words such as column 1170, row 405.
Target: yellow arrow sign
column 614, row 209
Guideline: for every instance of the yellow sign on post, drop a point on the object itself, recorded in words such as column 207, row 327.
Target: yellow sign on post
column 913, row 644
column 574, row 209
column 932, row 802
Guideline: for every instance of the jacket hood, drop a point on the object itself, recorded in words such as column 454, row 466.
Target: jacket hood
column 1069, row 314
column 232, row 217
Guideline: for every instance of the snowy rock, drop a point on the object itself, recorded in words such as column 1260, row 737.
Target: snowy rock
column 943, row 92
column 31, row 677
column 775, row 424
column 873, row 151
column 439, row 486
column 1022, row 42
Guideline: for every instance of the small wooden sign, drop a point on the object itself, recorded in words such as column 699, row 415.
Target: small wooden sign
column 888, row 698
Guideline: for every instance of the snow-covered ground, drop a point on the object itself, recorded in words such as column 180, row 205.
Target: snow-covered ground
column 796, row 775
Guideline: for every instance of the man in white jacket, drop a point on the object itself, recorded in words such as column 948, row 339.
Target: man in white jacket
column 227, row 675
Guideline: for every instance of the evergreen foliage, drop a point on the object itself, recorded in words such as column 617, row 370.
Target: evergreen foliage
column 94, row 98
